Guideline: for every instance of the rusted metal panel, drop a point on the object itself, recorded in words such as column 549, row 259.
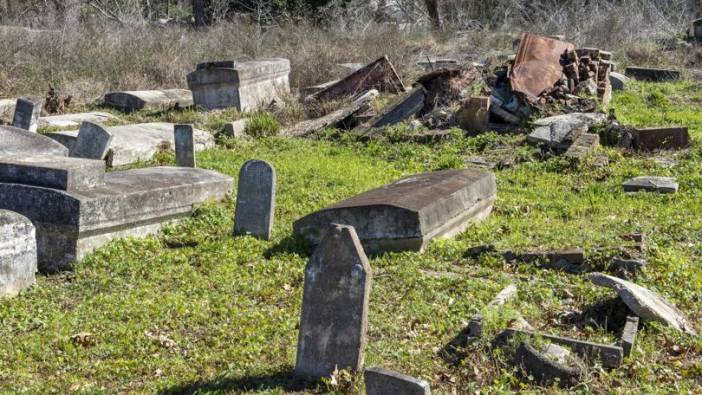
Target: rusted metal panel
column 537, row 66
column 380, row 75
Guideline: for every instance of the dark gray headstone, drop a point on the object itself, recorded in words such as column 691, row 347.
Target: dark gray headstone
column 92, row 142
column 184, row 146
column 27, row 114
column 255, row 199
column 381, row 381
column 334, row 305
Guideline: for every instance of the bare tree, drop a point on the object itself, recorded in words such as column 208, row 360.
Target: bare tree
column 202, row 12
column 434, row 15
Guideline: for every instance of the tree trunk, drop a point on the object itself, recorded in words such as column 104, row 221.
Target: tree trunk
column 201, row 12
column 434, row 16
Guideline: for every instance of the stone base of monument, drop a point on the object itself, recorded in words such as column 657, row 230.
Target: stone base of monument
column 407, row 214
column 72, row 219
column 244, row 85
column 18, row 253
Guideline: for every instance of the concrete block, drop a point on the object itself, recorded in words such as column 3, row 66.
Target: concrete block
column 618, row 81
column 381, row 381
column 408, row 213
column 236, row 129
column 57, row 172
column 27, row 114
column 18, row 253
column 244, row 85
column 21, row 142
column 474, row 114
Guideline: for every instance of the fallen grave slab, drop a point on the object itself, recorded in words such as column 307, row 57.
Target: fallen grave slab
column 70, row 223
column 246, row 86
column 149, row 100
column 381, row 381
column 138, row 142
column 650, row 139
column 401, row 109
column 17, row 141
column 379, row 75
column 544, row 367
column 645, row 303
column 311, row 90
column 405, row 215
column 651, row 184
column 18, row 253
column 74, row 120
column 561, row 131
column 431, row 64
column 652, row 74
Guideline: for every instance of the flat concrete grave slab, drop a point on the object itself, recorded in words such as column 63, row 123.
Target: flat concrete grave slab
column 334, row 314
column 92, row 142
column 74, row 120
column 381, row 381
column 17, row 141
column 184, row 145
column 311, row 90
column 379, row 75
column 57, row 172
column 255, row 199
column 650, row 139
column 407, row 214
column 27, row 114
column 651, row 184
column 651, row 74
column 645, row 303
column 149, row 100
column 135, row 203
column 18, row 253
column 244, row 85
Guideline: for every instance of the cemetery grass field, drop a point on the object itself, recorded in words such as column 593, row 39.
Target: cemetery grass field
column 195, row 310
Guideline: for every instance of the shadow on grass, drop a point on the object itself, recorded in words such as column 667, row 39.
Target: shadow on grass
column 285, row 380
column 289, row 245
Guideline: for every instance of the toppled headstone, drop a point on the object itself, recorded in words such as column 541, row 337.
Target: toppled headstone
column 184, row 145
column 381, row 381
column 74, row 120
column 583, row 146
column 474, row 114
column 92, row 142
column 18, row 253
column 629, row 334
column 21, row 142
column 644, row 303
column 404, row 107
column 651, row 184
column 255, row 199
column 561, row 131
column 650, row 139
column 379, row 75
column 408, row 213
column 246, row 86
column 149, row 100
column 308, row 127
column 547, row 367
column 27, row 114
column 334, row 314
column 652, row 74
column 72, row 219
column 618, row 81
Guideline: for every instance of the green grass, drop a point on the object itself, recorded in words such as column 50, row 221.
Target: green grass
column 231, row 305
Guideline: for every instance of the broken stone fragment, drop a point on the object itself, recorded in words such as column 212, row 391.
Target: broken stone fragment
column 651, row 184
column 474, row 114
column 548, row 367
column 149, row 100
column 562, row 130
column 404, row 107
column 386, row 382
column 629, row 334
column 379, row 75
column 645, row 303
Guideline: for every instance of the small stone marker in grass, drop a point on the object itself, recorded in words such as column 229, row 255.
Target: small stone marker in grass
column 334, row 315
column 92, row 142
column 651, row 184
column 184, row 145
column 18, row 253
column 27, row 114
column 255, row 200
column 381, row 381
column 629, row 334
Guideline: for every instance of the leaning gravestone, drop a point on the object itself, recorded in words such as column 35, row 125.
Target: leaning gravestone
column 92, row 143
column 18, row 253
column 334, row 305
column 255, row 199
column 184, row 145
column 27, row 114
column 381, row 381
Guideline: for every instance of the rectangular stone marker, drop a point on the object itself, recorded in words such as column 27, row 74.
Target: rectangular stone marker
column 255, row 199
column 334, row 314
column 381, row 381
column 184, row 145
column 57, row 172
column 405, row 215
column 651, row 184
column 404, row 107
column 149, row 100
column 92, row 143
column 27, row 114
column 652, row 74
column 246, row 86
column 380, row 75
column 629, row 334
column 650, row 139
column 18, row 253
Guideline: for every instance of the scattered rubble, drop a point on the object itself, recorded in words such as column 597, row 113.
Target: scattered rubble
column 380, row 75
column 308, row 127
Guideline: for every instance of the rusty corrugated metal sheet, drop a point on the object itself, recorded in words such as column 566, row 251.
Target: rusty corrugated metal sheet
column 537, row 66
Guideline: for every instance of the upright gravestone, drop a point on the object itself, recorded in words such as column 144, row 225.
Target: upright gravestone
column 92, row 142
column 381, row 381
column 27, row 114
column 255, row 199
column 18, row 253
column 184, row 145
column 334, row 305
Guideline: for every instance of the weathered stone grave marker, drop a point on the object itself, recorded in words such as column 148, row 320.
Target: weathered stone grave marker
column 27, row 114
column 16, row 141
column 651, row 184
column 92, row 143
column 184, row 145
column 255, row 200
column 18, row 253
column 334, row 315
column 381, row 381
column 149, row 100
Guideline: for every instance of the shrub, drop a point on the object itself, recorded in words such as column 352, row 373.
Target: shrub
column 262, row 124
